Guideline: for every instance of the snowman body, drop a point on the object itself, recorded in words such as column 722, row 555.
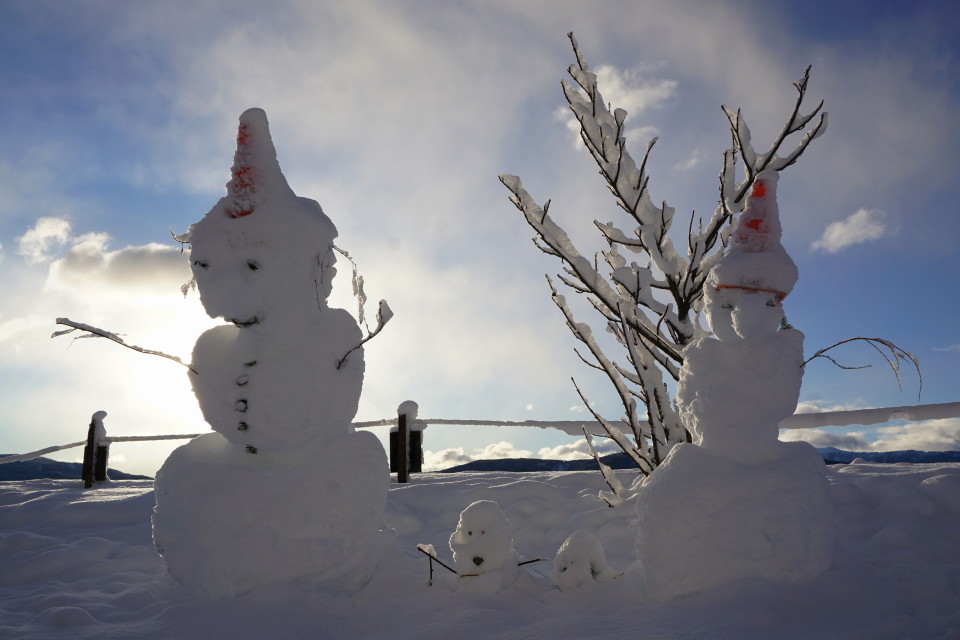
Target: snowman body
column 284, row 490
column 739, row 503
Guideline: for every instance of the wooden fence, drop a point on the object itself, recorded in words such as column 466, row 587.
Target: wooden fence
column 97, row 445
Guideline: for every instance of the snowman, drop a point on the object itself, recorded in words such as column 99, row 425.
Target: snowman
column 482, row 545
column 738, row 502
column 284, row 489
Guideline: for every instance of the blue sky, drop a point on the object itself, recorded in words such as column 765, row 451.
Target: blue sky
column 118, row 122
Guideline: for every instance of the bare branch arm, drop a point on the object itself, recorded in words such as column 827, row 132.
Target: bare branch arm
column 101, row 333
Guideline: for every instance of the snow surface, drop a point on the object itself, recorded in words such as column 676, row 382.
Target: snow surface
column 78, row 564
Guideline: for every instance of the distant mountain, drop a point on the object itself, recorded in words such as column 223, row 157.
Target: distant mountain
column 838, row 456
column 614, row 461
column 40, row 468
column 830, row 455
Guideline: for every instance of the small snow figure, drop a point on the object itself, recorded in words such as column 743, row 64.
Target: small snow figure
column 285, row 489
column 482, row 541
column 738, row 502
column 581, row 561
column 482, row 546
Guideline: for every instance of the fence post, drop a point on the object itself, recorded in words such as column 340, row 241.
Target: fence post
column 94, row 453
column 403, row 450
column 86, row 471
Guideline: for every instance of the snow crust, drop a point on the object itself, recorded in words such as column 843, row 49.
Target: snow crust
column 81, row 564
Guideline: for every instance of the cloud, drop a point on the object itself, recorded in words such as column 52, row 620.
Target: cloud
column 39, row 243
column 500, row 450
column 151, row 267
column 929, row 435
column 445, row 458
column 853, row 441
column 953, row 347
column 692, row 161
column 862, row 226
column 88, row 263
column 629, row 90
column 578, row 450
column 818, row 406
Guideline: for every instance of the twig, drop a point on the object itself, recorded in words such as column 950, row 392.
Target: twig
column 896, row 352
column 101, row 333
column 384, row 314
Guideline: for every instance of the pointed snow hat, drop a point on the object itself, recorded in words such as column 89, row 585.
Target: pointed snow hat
column 256, row 174
column 756, row 260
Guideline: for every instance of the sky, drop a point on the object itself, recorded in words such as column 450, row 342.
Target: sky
column 118, row 123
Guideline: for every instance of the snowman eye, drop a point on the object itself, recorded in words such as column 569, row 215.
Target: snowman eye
column 469, row 533
column 253, row 264
column 482, row 532
column 202, row 264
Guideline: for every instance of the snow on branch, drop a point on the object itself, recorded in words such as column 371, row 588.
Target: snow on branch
column 649, row 308
column 384, row 314
column 94, row 332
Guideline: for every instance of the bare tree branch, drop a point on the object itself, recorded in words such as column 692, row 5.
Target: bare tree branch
column 94, row 332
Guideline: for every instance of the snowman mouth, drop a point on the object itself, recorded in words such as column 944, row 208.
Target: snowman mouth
column 255, row 320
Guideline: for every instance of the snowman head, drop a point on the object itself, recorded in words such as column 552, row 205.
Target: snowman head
column 261, row 251
column 744, row 290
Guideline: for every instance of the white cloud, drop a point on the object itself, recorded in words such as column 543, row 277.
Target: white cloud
column 39, row 243
column 862, row 226
column 930, row 435
column 89, row 263
column 628, row 90
column 853, row 441
column 578, row 450
column 953, row 347
column 818, row 406
column 692, row 161
column 444, row 459
column 500, row 450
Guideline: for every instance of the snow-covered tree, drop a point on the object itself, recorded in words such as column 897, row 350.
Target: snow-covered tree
column 650, row 307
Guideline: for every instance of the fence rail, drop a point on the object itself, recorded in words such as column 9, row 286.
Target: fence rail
column 98, row 441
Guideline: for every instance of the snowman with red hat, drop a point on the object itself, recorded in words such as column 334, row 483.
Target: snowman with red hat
column 738, row 502
column 284, row 489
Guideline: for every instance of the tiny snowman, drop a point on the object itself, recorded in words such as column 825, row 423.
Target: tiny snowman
column 284, row 489
column 482, row 545
column 738, row 502
column 581, row 561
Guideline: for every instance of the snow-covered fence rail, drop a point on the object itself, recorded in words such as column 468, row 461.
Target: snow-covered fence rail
column 866, row 417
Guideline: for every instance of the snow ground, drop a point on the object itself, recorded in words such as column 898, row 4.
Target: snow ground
column 80, row 564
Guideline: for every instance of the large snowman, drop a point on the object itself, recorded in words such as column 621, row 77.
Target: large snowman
column 284, row 489
column 739, row 503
